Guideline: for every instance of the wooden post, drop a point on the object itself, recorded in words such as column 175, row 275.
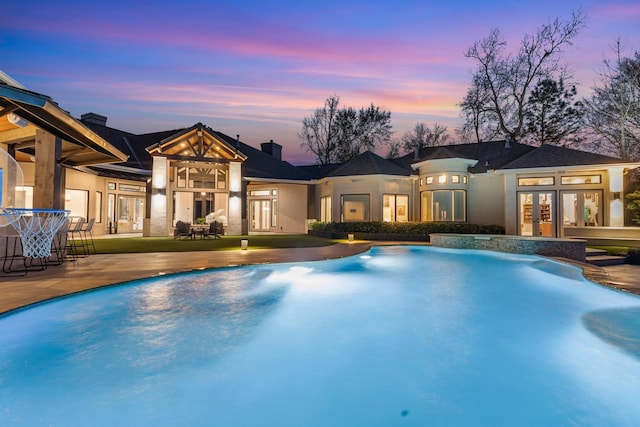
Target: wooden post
column 49, row 182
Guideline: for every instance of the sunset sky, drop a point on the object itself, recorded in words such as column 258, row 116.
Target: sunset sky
column 257, row 68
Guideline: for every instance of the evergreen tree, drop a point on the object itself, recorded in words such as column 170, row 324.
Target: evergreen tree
column 552, row 116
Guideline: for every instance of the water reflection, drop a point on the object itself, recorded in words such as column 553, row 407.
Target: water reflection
column 619, row 327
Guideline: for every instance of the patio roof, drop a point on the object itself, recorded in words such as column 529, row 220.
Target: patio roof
column 80, row 145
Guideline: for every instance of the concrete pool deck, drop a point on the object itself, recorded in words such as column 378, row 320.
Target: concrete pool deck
column 100, row 270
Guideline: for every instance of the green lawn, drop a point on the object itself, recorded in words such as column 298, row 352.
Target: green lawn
column 168, row 244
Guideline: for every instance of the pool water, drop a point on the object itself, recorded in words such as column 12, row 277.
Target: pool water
column 401, row 335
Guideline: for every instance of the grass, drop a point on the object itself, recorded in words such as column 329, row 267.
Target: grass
column 169, row 244
column 612, row 250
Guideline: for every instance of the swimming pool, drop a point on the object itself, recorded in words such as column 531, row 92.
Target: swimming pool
column 401, row 335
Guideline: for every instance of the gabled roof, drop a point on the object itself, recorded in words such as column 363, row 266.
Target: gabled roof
column 369, row 163
column 554, row 156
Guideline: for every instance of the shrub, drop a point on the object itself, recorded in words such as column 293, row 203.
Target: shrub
column 399, row 230
column 633, row 256
column 633, row 205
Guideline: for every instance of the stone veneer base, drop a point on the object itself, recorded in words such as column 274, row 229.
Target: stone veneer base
column 574, row 249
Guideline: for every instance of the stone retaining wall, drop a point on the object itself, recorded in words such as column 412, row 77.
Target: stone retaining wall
column 574, row 249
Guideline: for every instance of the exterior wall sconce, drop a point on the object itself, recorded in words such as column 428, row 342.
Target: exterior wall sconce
column 350, row 237
column 616, row 195
column 235, row 194
column 244, row 244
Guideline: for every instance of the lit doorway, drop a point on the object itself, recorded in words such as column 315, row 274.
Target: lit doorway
column 537, row 213
column 260, row 211
column 130, row 214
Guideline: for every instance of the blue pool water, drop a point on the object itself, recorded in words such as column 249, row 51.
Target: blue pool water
column 402, row 335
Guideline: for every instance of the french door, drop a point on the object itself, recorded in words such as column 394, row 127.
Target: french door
column 260, row 212
column 537, row 213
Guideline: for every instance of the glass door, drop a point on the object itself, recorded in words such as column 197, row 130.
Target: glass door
column 260, row 211
column 536, row 214
column 130, row 214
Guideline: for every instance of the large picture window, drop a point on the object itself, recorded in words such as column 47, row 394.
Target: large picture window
column 443, row 205
column 395, row 208
column 582, row 208
column 355, row 207
column 77, row 201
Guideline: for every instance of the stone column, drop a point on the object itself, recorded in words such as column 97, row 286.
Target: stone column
column 159, row 221
column 234, row 219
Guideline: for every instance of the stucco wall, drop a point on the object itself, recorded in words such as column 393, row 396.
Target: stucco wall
column 373, row 185
column 485, row 200
column 292, row 209
column 292, row 206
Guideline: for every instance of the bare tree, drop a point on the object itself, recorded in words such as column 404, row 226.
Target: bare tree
column 338, row 135
column 613, row 111
column 319, row 132
column 424, row 136
column 503, row 81
column 481, row 123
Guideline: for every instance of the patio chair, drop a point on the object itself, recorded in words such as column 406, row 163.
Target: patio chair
column 88, row 240
column 183, row 229
column 215, row 230
column 75, row 243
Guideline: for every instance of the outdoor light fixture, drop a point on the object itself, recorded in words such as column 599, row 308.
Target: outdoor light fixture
column 350, row 236
column 244, row 244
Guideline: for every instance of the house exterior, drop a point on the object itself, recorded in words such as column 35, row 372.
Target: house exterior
column 145, row 183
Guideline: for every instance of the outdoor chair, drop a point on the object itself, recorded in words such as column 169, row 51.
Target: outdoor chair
column 183, row 229
column 74, row 238
column 59, row 244
column 88, row 240
column 215, row 230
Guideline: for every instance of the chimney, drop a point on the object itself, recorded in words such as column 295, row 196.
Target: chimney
column 273, row 149
column 94, row 118
column 416, row 152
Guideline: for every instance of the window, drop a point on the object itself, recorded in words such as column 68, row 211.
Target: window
column 455, row 179
column 442, row 179
column 258, row 193
column 274, row 212
column 221, row 179
column 443, row 205
column 77, row 201
column 547, row 180
column 429, row 180
column 582, row 208
column 24, row 197
column 325, row 209
column 355, row 207
column 200, row 176
column 582, row 179
column 138, row 188
column 395, row 208
column 98, row 212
